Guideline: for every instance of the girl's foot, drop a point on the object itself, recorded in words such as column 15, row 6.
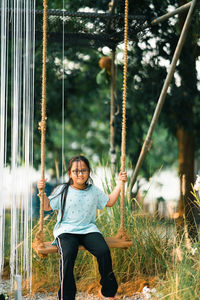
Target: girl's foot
column 106, row 298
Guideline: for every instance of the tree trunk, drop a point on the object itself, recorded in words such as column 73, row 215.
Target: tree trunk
column 185, row 129
column 186, row 205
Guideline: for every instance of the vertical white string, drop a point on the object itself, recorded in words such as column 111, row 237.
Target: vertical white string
column 32, row 71
column 63, row 93
column 16, row 133
column 28, row 104
column 22, row 84
column 22, row 103
column 3, row 121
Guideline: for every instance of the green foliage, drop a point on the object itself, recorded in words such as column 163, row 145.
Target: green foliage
column 87, row 92
column 102, row 77
column 86, row 108
column 87, row 103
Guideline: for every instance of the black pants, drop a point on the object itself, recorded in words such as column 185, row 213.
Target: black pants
column 68, row 247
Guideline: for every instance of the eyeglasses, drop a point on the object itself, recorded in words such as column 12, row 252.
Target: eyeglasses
column 83, row 171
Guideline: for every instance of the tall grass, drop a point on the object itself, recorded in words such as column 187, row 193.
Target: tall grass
column 182, row 278
column 155, row 253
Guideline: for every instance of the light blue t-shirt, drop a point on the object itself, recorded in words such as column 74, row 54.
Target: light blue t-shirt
column 80, row 209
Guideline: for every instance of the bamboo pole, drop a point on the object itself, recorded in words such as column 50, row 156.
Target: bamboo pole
column 172, row 13
column 162, row 97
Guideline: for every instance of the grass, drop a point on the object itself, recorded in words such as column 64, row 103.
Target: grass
column 155, row 260
column 148, row 258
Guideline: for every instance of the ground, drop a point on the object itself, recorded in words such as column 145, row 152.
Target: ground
column 41, row 289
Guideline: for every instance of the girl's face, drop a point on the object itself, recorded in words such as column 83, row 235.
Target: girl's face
column 79, row 173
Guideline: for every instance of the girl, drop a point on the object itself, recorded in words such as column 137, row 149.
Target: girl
column 76, row 202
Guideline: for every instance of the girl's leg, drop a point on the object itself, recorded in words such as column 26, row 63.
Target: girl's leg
column 95, row 243
column 68, row 249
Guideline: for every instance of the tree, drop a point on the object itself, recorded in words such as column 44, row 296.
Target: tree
column 179, row 112
column 78, row 100
column 184, row 112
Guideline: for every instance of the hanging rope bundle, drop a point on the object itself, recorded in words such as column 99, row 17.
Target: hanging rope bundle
column 42, row 125
column 122, row 232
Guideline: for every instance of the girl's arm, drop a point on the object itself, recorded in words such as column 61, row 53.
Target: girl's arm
column 41, row 185
column 116, row 192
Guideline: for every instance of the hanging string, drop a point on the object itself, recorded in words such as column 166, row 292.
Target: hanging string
column 42, row 124
column 3, row 120
column 122, row 233
column 16, row 96
column 63, row 94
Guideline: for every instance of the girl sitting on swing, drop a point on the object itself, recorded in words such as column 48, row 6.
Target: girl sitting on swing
column 77, row 202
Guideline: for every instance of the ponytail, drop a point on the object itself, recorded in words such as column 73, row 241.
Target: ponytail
column 64, row 197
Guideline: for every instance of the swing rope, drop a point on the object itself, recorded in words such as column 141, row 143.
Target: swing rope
column 122, row 232
column 42, row 126
column 39, row 239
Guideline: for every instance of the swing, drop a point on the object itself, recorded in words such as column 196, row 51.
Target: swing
column 121, row 240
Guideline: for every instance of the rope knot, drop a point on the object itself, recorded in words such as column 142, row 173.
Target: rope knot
column 42, row 125
column 41, row 193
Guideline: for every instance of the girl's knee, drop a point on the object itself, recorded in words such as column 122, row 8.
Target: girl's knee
column 68, row 251
column 103, row 251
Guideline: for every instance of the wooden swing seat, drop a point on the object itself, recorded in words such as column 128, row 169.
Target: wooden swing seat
column 113, row 242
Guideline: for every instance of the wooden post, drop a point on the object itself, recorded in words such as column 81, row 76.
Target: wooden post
column 179, row 10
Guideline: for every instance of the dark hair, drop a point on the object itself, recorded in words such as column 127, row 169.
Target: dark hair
column 64, row 192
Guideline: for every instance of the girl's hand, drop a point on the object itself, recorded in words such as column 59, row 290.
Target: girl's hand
column 41, row 184
column 123, row 177
column 116, row 192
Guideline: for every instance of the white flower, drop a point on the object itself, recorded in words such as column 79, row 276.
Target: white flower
column 146, row 290
column 150, row 292
column 193, row 250
column 197, row 184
